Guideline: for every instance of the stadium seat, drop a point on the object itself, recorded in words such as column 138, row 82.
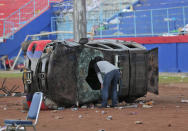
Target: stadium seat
column 32, row 116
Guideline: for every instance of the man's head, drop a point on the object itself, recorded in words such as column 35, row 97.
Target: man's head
column 98, row 58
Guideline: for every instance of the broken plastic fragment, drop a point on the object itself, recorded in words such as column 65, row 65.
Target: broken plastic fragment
column 138, row 122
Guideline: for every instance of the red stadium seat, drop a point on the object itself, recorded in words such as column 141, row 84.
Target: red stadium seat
column 7, row 7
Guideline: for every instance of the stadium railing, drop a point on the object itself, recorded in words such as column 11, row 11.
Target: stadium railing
column 22, row 16
column 139, row 23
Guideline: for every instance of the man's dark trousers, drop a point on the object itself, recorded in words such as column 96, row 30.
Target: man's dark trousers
column 111, row 77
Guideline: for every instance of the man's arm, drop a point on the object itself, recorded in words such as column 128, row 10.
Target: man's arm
column 97, row 70
column 100, row 78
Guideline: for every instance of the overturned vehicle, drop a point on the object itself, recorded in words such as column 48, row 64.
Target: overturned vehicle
column 64, row 72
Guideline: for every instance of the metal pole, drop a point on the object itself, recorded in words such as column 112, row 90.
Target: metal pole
column 184, row 21
column 151, row 13
column 134, row 23
column 101, row 19
column 12, row 68
column 168, row 22
column 79, row 19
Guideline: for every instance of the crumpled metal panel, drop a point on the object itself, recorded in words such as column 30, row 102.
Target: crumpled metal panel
column 61, row 75
column 68, row 77
column 138, row 73
column 85, row 92
column 153, row 71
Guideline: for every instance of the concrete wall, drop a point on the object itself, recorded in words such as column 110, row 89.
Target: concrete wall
column 172, row 57
column 173, row 51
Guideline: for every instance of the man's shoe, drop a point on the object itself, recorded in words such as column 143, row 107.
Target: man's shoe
column 100, row 106
column 116, row 105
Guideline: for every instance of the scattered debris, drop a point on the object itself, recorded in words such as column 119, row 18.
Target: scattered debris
column 44, row 126
column 184, row 101
column 17, row 108
column 80, row 116
column 122, row 104
column 169, row 125
column 8, row 92
column 18, row 94
column 149, row 103
column 180, row 96
column 60, row 108
column 92, row 106
column 86, row 113
column 96, row 111
column 74, row 109
column 108, row 106
column 23, row 111
column 24, row 104
column 50, row 103
column 5, row 108
column 58, row 117
column 131, row 106
column 132, row 113
column 54, row 111
column 177, row 106
column 146, row 106
column 84, row 107
column 103, row 112
column 120, row 107
column 54, row 107
column 101, row 130
column 109, row 117
column 98, row 105
column 3, row 128
column 138, row 122
column 2, row 95
column 17, row 103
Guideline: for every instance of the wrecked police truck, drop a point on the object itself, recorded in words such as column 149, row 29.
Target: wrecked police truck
column 64, row 72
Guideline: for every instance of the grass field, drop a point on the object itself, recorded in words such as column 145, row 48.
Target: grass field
column 173, row 79
column 162, row 78
column 10, row 75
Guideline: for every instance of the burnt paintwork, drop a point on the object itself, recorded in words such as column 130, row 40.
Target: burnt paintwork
column 66, row 74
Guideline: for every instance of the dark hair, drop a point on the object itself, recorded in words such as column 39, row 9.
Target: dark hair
column 98, row 58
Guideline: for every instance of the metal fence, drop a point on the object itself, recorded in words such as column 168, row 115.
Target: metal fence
column 1, row 28
column 22, row 16
column 155, row 22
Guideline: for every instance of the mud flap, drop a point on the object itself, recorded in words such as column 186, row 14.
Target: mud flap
column 152, row 71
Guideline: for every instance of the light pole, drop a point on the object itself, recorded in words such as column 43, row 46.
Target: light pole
column 79, row 19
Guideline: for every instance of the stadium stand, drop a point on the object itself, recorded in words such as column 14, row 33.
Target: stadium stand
column 158, row 4
column 115, row 19
column 14, row 14
column 24, row 23
column 7, row 7
column 149, row 18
